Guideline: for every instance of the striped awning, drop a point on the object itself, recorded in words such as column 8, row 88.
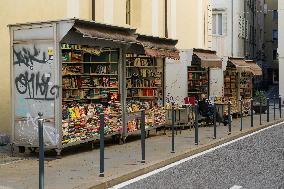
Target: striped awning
column 239, row 64
column 158, row 47
column 106, row 32
column 255, row 69
column 208, row 58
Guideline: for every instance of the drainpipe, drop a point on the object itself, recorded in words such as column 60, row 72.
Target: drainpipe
column 166, row 19
column 232, row 45
column 93, row 9
column 245, row 15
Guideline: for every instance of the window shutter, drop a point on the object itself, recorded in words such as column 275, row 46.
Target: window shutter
column 247, row 30
column 240, row 26
column 224, row 24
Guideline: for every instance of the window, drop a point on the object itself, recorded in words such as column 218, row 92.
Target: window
column 128, row 12
column 217, row 25
column 274, row 15
column 275, row 55
column 275, row 35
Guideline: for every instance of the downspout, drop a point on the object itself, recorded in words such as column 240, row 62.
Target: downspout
column 166, row 19
column 245, row 15
column 232, row 44
column 93, row 9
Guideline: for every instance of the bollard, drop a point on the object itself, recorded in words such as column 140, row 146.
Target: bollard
column 260, row 106
column 137, row 121
column 215, row 130
column 267, row 112
column 274, row 107
column 251, row 113
column 102, row 145
column 280, row 111
column 143, row 135
column 173, row 131
column 41, row 151
column 241, row 126
column 229, row 118
column 196, row 124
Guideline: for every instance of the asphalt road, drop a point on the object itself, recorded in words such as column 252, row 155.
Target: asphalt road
column 253, row 162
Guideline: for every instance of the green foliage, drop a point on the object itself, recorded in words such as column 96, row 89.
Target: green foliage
column 260, row 97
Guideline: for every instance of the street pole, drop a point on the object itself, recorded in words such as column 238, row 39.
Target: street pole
column 143, row 135
column 173, row 131
column 41, row 151
column 102, row 145
column 196, row 124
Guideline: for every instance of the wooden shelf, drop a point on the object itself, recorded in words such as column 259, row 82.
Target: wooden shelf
column 194, row 92
column 143, row 97
column 197, row 71
column 98, row 87
column 144, row 77
column 89, row 62
column 91, row 74
column 143, row 87
column 143, row 66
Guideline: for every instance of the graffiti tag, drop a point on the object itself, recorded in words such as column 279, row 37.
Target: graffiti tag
column 27, row 57
column 37, row 86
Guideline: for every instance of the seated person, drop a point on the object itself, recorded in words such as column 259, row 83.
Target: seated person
column 206, row 109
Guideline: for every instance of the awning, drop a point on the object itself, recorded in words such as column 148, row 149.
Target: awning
column 238, row 63
column 255, row 69
column 207, row 58
column 105, row 32
column 158, row 47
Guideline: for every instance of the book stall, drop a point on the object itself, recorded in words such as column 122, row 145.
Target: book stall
column 84, row 70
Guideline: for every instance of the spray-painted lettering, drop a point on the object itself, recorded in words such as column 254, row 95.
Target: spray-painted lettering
column 27, row 57
column 37, row 86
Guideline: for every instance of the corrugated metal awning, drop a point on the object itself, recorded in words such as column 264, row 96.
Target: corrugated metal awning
column 158, row 47
column 208, row 58
column 255, row 69
column 238, row 63
column 105, row 32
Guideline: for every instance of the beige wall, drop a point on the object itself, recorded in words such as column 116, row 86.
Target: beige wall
column 19, row 11
column 187, row 19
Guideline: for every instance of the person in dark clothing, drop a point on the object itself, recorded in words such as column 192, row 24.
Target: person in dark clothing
column 206, row 109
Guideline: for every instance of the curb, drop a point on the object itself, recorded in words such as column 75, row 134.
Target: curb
column 178, row 157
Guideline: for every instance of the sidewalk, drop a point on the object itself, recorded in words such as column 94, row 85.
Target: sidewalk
column 79, row 167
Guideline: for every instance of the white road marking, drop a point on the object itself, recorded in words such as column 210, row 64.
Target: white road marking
column 121, row 185
column 236, row 187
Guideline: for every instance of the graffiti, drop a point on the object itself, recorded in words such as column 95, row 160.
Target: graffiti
column 27, row 131
column 37, row 86
column 27, row 57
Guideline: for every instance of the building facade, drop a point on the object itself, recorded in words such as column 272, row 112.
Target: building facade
column 228, row 25
column 281, row 45
column 187, row 21
column 271, row 63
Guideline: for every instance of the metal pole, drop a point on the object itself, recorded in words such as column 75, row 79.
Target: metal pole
column 251, row 113
column 229, row 117
column 274, row 106
column 143, row 135
column 196, row 124
column 137, row 121
column 241, row 128
column 267, row 112
column 260, row 104
column 173, row 131
column 41, row 151
column 215, row 130
column 280, row 111
column 102, row 145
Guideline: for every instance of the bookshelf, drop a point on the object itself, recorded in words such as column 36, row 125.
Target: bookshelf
column 90, row 86
column 197, row 81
